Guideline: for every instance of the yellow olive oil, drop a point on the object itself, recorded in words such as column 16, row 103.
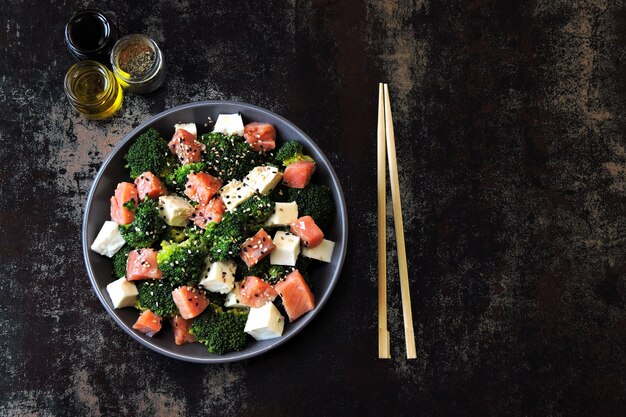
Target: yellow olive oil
column 93, row 90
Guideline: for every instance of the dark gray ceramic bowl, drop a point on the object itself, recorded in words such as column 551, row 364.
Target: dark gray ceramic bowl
column 112, row 172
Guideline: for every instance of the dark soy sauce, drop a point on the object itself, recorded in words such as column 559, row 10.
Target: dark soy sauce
column 88, row 32
column 90, row 35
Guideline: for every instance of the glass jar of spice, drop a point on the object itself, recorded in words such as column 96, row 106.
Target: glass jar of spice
column 93, row 90
column 138, row 64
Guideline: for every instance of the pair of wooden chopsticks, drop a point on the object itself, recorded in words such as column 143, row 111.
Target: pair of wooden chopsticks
column 386, row 140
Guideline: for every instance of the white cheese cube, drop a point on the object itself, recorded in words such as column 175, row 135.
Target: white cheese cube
column 234, row 193
column 263, row 179
column 284, row 214
column 220, row 277
column 232, row 298
column 287, row 249
column 265, row 322
column 109, row 240
column 175, row 210
column 189, row 127
column 123, row 293
column 229, row 124
column 322, row 252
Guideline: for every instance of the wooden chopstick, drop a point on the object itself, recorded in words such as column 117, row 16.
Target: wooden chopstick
column 383, row 333
column 399, row 229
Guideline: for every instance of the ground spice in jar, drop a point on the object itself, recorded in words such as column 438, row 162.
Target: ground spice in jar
column 138, row 64
column 136, row 59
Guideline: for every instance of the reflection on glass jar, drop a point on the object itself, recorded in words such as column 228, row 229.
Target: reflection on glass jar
column 138, row 64
column 92, row 89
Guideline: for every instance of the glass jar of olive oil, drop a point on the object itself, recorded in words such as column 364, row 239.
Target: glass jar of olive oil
column 93, row 90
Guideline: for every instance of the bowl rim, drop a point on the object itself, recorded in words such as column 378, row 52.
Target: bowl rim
column 341, row 213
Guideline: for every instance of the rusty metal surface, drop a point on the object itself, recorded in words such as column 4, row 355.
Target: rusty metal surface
column 509, row 126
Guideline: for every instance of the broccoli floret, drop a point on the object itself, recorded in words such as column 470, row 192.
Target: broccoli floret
column 260, row 269
column 280, row 194
column 182, row 263
column 130, row 205
column 230, row 157
column 156, row 296
column 291, row 152
column 221, row 331
column 254, row 212
column 147, row 227
column 196, row 232
column 268, row 272
column 175, row 234
column 119, row 261
column 277, row 272
column 150, row 153
column 302, row 265
column 218, row 299
column 316, row 201
column 178, row 178
column 225, row 238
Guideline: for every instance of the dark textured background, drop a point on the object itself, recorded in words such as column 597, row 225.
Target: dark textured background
column 509, row 121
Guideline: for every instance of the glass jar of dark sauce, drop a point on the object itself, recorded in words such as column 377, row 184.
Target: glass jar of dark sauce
column 90, row 35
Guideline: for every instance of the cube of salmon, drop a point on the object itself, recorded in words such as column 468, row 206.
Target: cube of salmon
column 256, row 248
column 298, row 174
column 142, row 264
column 254, row 292
column 124, row 192
column 190, row 301
column 209, row 213
column 148, row 323
column 260, row 136
column 296, row 294
column 309, row 233
column 185, row 146
column 201, row 187
column 181, row 330
column 149, row 186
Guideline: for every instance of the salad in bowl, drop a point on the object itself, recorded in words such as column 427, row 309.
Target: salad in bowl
column 217, row 234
